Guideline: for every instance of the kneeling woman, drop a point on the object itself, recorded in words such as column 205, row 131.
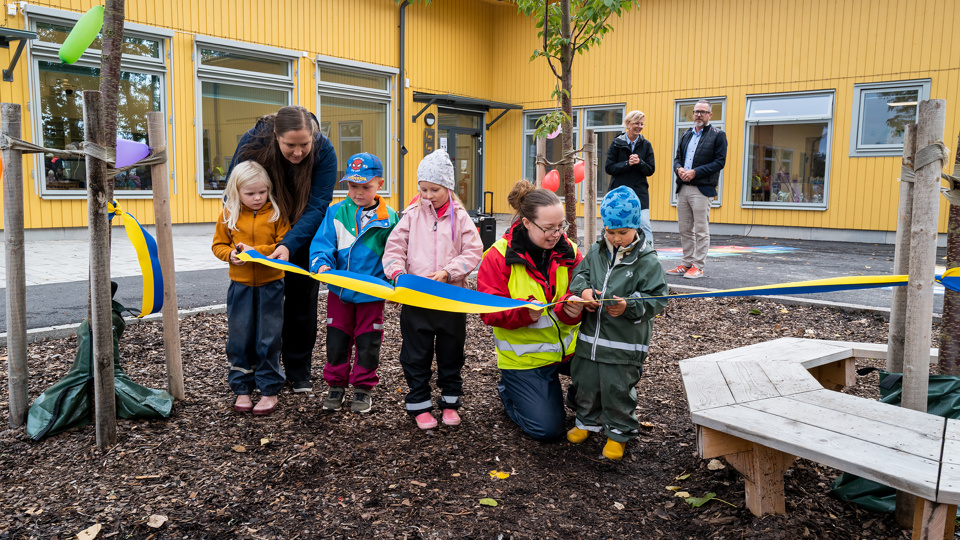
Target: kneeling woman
column 533, row 261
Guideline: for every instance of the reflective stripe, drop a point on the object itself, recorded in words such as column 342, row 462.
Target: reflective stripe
column 377, row 326
column 532, row 348
column 542, row 322
column 417, row 406
column 618, row 432
column 450, row 399
column 241, row 370
column 594, row 429
column 638, row 347
column 329, row 320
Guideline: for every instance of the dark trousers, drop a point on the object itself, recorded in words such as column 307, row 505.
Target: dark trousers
column 254, row 319
column 533, row 399
column 425, row 332
column 352, row 325
column 301, row 295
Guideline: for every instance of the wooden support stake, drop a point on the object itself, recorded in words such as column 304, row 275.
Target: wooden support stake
column 541, row 155
column 923, row 254
column 933, row 521
column 157, row 133
column 901, row 258
column 17, row 369
column 589, row 189
column 101, row 312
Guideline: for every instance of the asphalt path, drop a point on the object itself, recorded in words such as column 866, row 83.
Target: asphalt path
column 736, row 261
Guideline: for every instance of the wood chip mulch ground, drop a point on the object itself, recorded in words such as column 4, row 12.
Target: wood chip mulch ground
column 207, row 472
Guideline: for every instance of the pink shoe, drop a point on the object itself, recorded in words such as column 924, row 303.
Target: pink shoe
column 426, row 420
column 450, row 417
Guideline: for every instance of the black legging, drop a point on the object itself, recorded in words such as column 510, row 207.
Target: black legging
column 300, row 299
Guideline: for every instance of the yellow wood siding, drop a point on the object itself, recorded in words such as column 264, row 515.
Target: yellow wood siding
column 662, row 51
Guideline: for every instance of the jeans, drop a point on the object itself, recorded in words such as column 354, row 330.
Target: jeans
column 254, row 320
column 533, row 399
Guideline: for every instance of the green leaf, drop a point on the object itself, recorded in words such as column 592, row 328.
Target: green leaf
column 697, row 502
column 755, row 312
column 492, row 502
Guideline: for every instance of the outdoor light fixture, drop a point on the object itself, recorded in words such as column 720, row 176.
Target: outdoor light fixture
column 430, row 119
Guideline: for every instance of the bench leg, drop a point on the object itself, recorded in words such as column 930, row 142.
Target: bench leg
column 836, row 375
column 933, row 521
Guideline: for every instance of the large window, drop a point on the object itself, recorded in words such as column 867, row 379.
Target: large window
column 236, row 86
column 606, row 122
column 881, row 112
column 59, row 94
column 354, row 100
column 683, row 120
column 787, row 158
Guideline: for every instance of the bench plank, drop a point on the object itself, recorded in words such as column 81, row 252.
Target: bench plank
column 790, row 378
column 703, row 386
column 867, row 409
column 887, row 466
column 746, row 381
column 904, row 437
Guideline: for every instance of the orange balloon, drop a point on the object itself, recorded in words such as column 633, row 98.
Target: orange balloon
column 552, row 180
column 578, row 172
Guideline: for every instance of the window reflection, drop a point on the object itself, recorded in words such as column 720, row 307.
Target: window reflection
column 357, row 126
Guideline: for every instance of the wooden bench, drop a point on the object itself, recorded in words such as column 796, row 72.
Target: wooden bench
column 760, row 406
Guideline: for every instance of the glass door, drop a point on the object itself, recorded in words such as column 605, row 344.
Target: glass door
column 460, row 134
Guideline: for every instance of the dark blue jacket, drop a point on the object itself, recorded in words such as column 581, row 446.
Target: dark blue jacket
column 708, row 160
column 322, row 182
column 623, row 174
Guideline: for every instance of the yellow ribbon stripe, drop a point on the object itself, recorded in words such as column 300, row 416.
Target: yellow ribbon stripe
column 147, row 256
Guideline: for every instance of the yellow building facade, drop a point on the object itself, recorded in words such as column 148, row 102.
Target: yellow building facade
column 812, row 94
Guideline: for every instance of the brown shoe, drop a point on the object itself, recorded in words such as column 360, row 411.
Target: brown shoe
column 265, row 406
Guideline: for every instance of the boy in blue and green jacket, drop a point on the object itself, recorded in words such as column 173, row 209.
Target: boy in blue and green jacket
column 614, row 339
column 352, row 237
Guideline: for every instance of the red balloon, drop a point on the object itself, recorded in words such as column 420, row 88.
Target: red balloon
column 578, row 172
column 552, row 180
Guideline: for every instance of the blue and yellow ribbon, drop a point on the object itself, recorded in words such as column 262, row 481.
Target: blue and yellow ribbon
column 426, row 293
column 146, row 248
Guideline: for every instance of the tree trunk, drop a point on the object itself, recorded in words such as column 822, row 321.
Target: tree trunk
column 949, row 359
column 112, row 32
column 566, row 103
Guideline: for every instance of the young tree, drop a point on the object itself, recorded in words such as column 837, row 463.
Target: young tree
column 113, row 14
column 568, row 28
column 949, row 358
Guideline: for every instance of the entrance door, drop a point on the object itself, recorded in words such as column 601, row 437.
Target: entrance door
column 461, row 136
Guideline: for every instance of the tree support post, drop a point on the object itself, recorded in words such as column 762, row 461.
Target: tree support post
column 589, row 189
column 901, row 258
column 18, row 373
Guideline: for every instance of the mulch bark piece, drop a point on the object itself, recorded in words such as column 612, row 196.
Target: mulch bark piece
column 302, row 473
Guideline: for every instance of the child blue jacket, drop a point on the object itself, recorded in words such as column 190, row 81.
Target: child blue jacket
column 341, row 244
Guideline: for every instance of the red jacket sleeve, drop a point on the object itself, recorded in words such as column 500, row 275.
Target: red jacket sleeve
column 492, row 278
column 558, row 309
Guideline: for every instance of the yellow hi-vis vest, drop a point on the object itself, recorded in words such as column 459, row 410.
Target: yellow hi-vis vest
column 547, row 340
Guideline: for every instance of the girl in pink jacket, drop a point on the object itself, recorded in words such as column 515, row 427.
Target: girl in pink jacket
column 436, row 239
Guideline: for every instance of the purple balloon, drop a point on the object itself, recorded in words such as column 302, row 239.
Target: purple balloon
column 129, row 152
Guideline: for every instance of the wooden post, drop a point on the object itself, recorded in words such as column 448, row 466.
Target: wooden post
column 18, row 372
column 901, row 258
column 101, row 313
column 923, row 252
column 934, row 521
column 157, row 133
column 541, row 155
column 589, row 189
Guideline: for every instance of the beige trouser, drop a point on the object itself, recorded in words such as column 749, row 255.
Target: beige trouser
column 693, row 216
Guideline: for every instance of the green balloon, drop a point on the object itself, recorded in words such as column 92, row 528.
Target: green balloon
column 82, row 35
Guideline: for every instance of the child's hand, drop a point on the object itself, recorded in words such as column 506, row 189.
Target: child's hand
column 281, row 253
column 616, row 310
column 323, row 268
column 573, row 307
column 439, row 275
column 591, row 304
column 234, row 260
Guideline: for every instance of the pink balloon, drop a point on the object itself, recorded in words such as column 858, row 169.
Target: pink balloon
column 552, row 180
column 578, row 172
column 129, row 152
column 555, row 133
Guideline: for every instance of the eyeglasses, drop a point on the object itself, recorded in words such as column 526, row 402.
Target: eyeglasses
column 701, row 113
column 552, row 230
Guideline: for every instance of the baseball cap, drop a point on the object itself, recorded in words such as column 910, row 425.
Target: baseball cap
column 362, row 167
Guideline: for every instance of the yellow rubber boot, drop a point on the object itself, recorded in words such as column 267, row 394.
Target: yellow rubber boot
column 577, row 435
column 613, row 449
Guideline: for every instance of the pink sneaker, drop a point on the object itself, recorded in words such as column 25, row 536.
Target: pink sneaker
column 450, row 417
column 426, row 421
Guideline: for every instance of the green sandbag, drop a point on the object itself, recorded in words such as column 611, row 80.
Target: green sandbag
column 943, row 399
column 69, row 403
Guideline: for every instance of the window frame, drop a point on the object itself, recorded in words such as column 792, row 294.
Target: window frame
column 745, row 184
column 41, row 51
column 685, row 125
column 856, row 119
column 202, row 74
column 381, row 97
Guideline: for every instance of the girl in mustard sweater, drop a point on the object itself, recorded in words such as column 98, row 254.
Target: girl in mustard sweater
column 251, row 219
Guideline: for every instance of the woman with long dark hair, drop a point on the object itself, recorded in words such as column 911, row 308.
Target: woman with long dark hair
column 302, row 165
